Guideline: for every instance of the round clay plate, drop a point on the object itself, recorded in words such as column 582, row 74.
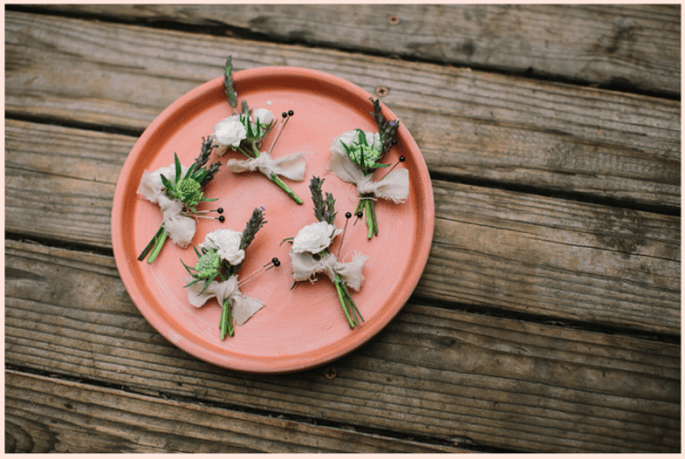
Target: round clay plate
column 300, row 327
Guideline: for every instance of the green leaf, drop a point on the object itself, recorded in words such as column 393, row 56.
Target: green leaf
column 347, row 149
column 362, row 138
column 199, row 177
column 209, row 281
column 188, row 268
column 166, row 182
column 195, row 281
column 177, row 165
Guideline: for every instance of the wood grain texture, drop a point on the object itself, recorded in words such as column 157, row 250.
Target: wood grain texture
column 469, row 125
column 547, row 319
column 55, row 175
column 631, row 46
column 444, row 374
column 538, row 255
column 47, row 415
column 492, row 248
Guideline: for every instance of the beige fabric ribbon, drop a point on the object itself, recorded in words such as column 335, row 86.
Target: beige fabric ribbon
column 243, row 307
column 291, row 167
column 305, row 267
column 180, row 228
column 394, row 186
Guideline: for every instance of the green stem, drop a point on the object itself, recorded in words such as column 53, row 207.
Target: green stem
column 349, row 307
column 226, row 321
column 343, row 300
column 372, row 206
column 369, row 217
column 277, row 180
column 354, row 308
column 149, row 245
column 360, row 206
column 154, row 246
column 367, row 203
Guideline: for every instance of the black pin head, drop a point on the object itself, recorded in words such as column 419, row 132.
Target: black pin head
column 348, row 215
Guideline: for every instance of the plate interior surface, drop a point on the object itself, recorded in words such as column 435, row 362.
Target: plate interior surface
column 299, row 327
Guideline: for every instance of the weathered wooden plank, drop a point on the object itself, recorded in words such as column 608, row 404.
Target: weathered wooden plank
column 431, row 372
column 47, row 415
column 633, row 46
column 55, row 175
column 468, row 124
column 532, row 254
column 491, row 248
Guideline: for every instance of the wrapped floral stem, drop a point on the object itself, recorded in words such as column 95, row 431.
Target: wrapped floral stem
column 245, row 131
column 178, row 190
column 349, row 307
column 215, row 275
column 355, row 159
column 310, row 254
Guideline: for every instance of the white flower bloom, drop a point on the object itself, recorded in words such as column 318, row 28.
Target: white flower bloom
column 315, row 237
column 227, row 242
column 230, row 131
column 264, row 116
column 351, row 137
column 151, row 186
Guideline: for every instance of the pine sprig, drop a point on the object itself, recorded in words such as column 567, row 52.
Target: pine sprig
column 386, row 129
column 231, row 94
column 324, row 209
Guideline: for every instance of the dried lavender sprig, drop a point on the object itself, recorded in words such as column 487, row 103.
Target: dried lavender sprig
column 211, row 172
column 205, row 151
column 253, row 225
column 386, row 129
column 324, row 209
column 231, row 94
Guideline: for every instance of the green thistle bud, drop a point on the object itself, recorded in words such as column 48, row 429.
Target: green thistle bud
column 208, row 265
column 364, row 155
column 189, row 191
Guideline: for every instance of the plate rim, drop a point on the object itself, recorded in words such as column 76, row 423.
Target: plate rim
column 241, row 363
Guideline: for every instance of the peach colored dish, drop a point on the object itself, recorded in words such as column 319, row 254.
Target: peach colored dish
column 298, row 328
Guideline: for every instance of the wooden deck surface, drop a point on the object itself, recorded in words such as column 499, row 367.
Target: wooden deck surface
column 548, row 317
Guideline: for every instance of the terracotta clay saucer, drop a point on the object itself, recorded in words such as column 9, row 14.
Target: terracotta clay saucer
column 298, row 328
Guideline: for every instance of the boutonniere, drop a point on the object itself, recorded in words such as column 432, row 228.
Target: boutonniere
column 177, row 190
column 215, row 275
column 355, row 159
column 244, row 132
column 310, row 254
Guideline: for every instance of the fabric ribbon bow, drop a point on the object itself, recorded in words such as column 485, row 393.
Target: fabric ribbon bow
column 305, row 267
column 243, row 307
column 291, row 167
column 394, row 186
column 180, row 228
